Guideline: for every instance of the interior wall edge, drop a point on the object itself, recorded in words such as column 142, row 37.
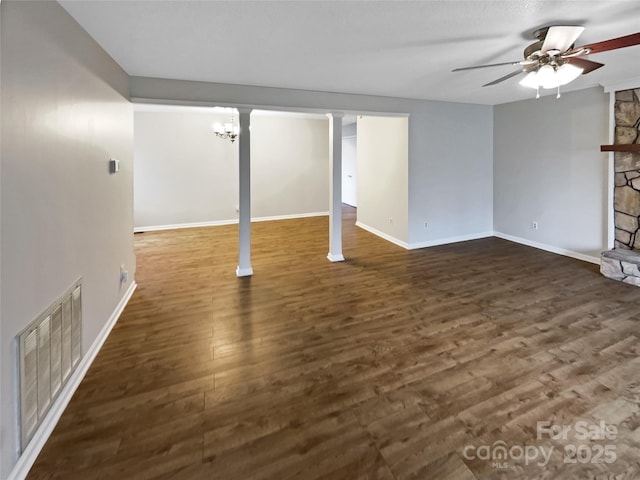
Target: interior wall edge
column 40, row 437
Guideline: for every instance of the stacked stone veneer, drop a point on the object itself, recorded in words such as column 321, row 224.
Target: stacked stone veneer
column 623, row 262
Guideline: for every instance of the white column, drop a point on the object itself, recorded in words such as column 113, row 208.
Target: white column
column 335, row 187
column 244, row 205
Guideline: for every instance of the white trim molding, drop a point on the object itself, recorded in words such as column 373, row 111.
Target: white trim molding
column 217, row 223
column 382, row 235
column 445, row 241
column 244, row 272
column 549, row 248
column 611, row 174
column 425, row 244
column 41, row 435
column 621, row 85
column 156, row 228
column 289, row 217
column 335, row 258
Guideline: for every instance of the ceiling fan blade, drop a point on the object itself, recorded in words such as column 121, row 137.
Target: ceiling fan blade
column 612, row 44
column 560, row 38
column 485, row 66
column 506, row 77
column 587, row 66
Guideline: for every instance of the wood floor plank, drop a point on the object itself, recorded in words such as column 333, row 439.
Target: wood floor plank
column 388, row 366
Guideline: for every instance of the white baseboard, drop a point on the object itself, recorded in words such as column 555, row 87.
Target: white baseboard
column 429, row 243
column 549, row 248
column 444, row 241
column 335, row 258
column 244, row 272
column 383, row 235
column 290, row 217
column 41, row 435
column 217, row 223
column 156, row 228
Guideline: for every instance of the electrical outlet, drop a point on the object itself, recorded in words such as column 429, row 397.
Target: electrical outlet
column 114, row 165
column 390, row 220
column 425, row 225
column 124, row 274
column 534, row 225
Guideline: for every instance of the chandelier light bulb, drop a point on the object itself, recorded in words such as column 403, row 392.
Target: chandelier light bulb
column 227, row 130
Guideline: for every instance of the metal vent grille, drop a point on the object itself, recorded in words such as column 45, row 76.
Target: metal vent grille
column 49, row 350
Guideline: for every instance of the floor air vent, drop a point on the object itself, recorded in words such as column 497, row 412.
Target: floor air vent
column 49, row 350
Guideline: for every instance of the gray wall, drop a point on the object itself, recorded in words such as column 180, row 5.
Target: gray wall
column 382, row 175
column 449, row 143
column 548, row 168
column 350, row 130
column 64, row 113
column 186, row 175
column 451, row 181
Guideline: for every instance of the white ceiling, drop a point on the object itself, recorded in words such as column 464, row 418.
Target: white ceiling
column 390, row 48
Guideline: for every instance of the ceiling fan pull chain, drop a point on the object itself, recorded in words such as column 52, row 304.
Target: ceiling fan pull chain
column 558, row 95
column 537, row 92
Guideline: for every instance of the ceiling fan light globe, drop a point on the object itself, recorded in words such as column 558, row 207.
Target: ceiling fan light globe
column 530, row 80
column 568, row 73
column 547, row 77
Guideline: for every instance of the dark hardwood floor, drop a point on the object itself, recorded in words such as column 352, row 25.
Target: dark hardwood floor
column 392, row 365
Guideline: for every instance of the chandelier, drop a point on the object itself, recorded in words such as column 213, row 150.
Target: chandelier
column 551, row 75
column 227, row 130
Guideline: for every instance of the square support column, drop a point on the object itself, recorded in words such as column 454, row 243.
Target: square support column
column 244, row 204
column 335, row 187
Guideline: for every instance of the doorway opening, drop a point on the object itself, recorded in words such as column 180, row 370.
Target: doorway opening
column 375, row 174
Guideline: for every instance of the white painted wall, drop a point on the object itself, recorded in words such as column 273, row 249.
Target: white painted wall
column 289, row 166
column 349, row 170
column 449, row 143
column 185, row 175
column 383, row 196
column 64, row 114
column 549, row 169
column 3, row 432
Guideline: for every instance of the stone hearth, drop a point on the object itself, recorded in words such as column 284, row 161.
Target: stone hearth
column 623, row 262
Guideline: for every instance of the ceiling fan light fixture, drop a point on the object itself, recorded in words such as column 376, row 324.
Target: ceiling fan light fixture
column 530, row 80
column 567, row 73
column 547, row 77
column 553, row 60
column 550, row 77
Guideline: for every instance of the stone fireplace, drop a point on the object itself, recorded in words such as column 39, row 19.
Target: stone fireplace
column 623, row 262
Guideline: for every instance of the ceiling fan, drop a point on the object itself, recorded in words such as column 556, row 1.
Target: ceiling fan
column 553, row 60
